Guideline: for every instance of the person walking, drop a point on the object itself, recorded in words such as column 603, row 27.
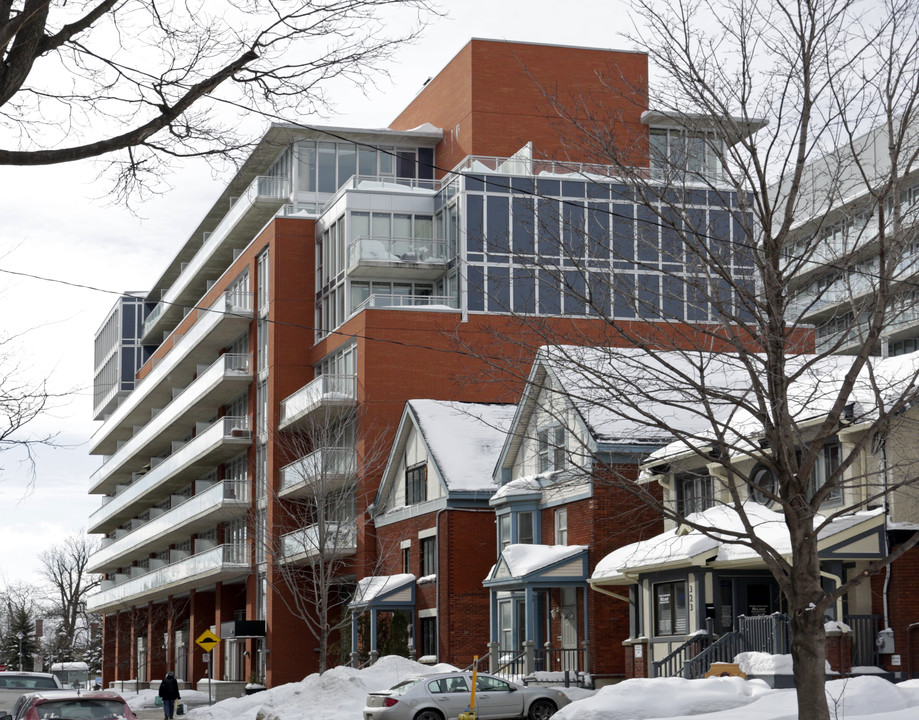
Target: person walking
column 169, row 691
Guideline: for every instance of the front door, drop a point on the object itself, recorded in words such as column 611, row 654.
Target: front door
column 569, row 629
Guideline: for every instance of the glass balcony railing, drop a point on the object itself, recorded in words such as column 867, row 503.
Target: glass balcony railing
column 321, row 541
column 387, row 300
column 219, row 497
column 222, row 562
column 386, row 250
column 227, row 366
column 226, row 437
column 324, row 470
column 262, row 188
column 325, row 392
column 212, row 330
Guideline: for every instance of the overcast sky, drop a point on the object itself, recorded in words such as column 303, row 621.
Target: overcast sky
column 57, row 223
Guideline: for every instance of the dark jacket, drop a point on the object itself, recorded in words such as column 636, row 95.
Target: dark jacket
column 169, row 688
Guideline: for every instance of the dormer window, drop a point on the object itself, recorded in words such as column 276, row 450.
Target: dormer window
column 827, row 463
column 695, row 493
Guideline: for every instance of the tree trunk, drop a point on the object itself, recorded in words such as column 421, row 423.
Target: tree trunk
column 808, row 650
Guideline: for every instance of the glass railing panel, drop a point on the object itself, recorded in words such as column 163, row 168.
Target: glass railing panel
column 325, row 462
column 234, row 427
column 338, row 537
column 397, row 250
column 386, row 300
column 225, row 365
column 325, row 388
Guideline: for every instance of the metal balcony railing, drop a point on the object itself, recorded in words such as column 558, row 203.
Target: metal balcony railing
column 321, row 468
column 335, row 390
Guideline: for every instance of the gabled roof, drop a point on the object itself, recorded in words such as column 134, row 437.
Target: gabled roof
column 853, row 535
column 384, row 591
column 524, row 564
column 462, row 439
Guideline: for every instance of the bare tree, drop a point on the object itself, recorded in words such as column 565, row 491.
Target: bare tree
column 777, row 208
column 318, row 500
column 104, row 76
column 64, row 568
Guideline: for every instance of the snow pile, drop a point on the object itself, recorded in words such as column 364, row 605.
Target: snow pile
column 757, row 663
column 338, row 694
column 639, row 699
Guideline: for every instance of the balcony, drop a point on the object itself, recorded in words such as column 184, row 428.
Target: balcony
column 321, row 471
column 226, row 378
column 213, row 445
column 247, row 215
column 221, row 502
column 413, row 302
column 223, row 563
column 214, row 329
column 395, row 258
column 311, row 544
column 331, row 395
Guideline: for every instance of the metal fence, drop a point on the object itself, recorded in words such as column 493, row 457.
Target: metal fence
column 864, row 634
column 766, row 633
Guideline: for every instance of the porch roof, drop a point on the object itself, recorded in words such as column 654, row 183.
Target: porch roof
column 548, row 565
column 384, row 591
column 855, row 535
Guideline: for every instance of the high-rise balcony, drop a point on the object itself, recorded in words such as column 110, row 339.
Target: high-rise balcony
column 319, row 542
column 226, row 378
column 415, row 302
column 248, row 214
column 223, row 563
column 328, row 396
column 214, row 329
column 213, row 445
column 394, row 258
column 324, row 470
column 221, row 502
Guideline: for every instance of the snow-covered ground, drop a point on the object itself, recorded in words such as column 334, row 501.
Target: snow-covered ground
column 339, row 695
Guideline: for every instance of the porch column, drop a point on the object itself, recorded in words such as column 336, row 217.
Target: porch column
column 373, row 636
column 585, row 643
column 355, row 655
column 529, row 645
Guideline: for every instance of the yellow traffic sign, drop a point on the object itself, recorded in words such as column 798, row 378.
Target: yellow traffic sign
column 207, row 640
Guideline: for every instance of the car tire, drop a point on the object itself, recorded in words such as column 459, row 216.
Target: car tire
column 429, row 714
column 542, row 709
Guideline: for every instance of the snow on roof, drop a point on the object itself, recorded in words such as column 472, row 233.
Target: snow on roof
column 464, row 439
column 679, row 547
column 523, row 559
column 526, row 485
column 373, row 586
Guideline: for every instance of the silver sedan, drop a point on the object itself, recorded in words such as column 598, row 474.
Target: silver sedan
column 445, row 695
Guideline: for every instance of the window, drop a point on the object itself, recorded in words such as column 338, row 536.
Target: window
column 695, row 493
column 551, row 448
column 504, row 532
column 416, row 485
column 827, row 463
column 429, row 636
column 561, row 526
column 525, row 528
column 406, row 560
column 763, row 485
column 428, row 556
column 670, row 613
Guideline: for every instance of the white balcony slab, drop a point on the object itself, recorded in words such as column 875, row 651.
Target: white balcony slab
column 213, row 329
column 331, row 395
column 324, row 470
column 226, row 378
column 222, row 502
column 339, row 540
column 223, row 563
column 248, row 214
column 221, row 441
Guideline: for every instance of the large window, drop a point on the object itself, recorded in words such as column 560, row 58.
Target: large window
column 504, row 532
column 416, row 485
column 827, row 464
column 525, row 528
column 694, row 493
column 428, row 556
column 670, row 612
column 429, row 637
column 551, row 448
column 561, row 526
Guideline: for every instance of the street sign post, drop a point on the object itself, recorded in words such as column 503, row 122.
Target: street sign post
column 207, row 641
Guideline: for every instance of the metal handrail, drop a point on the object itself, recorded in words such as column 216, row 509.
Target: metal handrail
column 674, row 663
column 724, row 649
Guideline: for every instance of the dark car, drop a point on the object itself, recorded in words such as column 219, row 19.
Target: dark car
column 70, row 705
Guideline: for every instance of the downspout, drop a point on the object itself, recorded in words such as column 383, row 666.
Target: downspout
column 886, row 592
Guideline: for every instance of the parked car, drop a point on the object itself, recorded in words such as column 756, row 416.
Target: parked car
column 443, row 696
column 13, row 684
column 72, row 705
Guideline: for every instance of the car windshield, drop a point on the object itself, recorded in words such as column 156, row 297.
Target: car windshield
column 80, row 709
column 27, row 682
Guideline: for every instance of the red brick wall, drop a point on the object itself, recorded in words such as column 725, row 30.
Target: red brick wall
column 495, row 96
column 903, row 605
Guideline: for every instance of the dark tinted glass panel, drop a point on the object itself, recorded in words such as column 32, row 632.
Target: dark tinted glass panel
column 524, row 291
column 476, row 291
column 522, row 209
column 474, row 223
column 497, row 240
column 426, row 163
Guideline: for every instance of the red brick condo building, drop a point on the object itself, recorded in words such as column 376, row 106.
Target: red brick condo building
column 336, row 277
